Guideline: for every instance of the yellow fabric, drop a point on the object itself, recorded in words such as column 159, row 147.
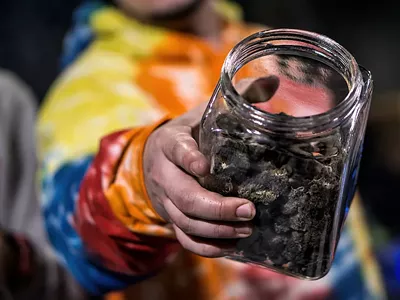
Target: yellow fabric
column 101, row 83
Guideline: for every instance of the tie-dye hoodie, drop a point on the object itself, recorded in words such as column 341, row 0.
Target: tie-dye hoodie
column 122, row 79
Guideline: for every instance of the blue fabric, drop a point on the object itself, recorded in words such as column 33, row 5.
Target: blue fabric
column 61, row 194
column 346, row 276
column 81, row 34
column 389, row 259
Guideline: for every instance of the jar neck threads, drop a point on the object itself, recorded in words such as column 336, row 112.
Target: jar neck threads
column 301, row 43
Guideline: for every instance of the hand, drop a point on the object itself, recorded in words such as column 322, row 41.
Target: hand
column 204, row 222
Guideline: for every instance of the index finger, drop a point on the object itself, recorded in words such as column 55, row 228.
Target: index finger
column 182, row 150
column 195, row 201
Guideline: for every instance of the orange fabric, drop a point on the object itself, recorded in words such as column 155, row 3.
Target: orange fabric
column 190, row 277
column 115, row 296
column 127, row 191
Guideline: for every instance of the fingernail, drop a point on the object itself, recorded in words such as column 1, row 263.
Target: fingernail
column 193, row 167
column 245, row 211
column 244, row 231
column 199, row 168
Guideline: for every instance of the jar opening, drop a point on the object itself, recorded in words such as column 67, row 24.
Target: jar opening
column 322, row 77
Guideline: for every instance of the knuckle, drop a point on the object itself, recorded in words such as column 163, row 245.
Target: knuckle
column 223, row 231
column 175, row 157
column 186, row 225
column 174, row 195
column 186, row 129
column 184, row 138
column 180, row 144
column 181, row 135
column 218, row 231
column 220, row 209
column 187, row 202
column 185, row 143
column 176, row 144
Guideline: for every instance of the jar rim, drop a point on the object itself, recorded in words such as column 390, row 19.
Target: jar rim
column 318, row 122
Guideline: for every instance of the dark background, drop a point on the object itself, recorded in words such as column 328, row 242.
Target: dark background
column 31, row 33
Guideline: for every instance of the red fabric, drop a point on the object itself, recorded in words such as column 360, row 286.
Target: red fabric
column 104, row 235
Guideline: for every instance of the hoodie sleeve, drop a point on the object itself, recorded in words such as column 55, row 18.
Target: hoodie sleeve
column 97, row 213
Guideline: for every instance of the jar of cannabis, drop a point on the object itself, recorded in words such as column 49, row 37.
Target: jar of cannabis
column 292, row 149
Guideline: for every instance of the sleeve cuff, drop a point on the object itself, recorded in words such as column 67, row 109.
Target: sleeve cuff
column 126, row 192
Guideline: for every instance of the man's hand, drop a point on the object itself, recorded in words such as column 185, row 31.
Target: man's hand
column 204, row 222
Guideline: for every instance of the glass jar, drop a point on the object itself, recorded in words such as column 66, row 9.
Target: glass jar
column 300, row 171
